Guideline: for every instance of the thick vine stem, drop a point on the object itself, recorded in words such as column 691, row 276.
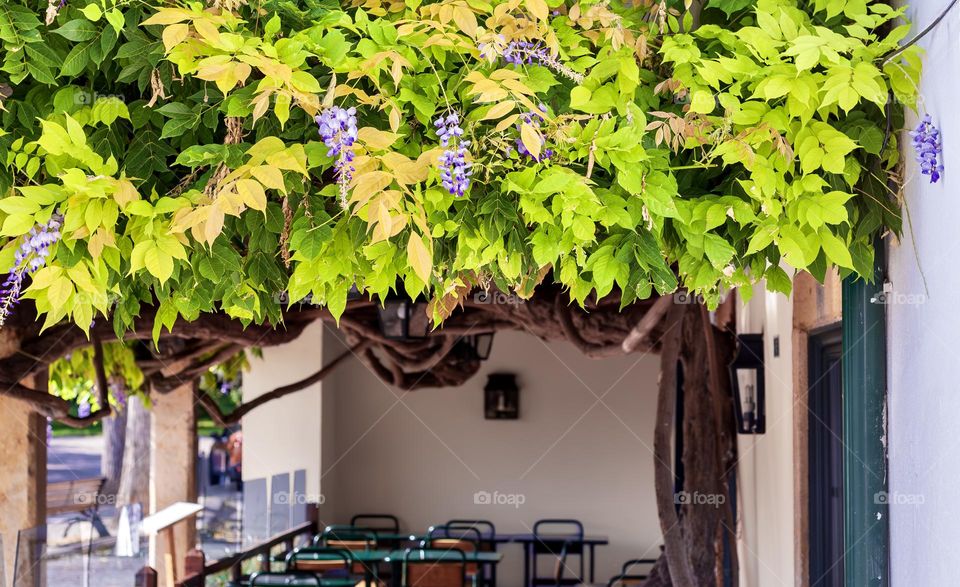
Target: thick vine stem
column 189, row 349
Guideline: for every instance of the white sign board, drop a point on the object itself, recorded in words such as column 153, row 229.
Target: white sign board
column 169, row 516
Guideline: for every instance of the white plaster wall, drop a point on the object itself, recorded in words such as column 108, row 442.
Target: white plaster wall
column 423, row 455
column 923, row 332
column 284, row 435
column 765, row 470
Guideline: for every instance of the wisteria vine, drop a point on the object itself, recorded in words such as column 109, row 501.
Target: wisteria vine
column 338, row 129
column 30, row 256
column 927, row 143
column 455, row 170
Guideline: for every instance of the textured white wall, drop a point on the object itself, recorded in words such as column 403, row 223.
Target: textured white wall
column 284, row 435
column 923, row 330
column 424, row 455
column 765, row 468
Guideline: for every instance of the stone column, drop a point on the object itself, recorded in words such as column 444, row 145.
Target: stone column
column 173, row 471
column 23, row 484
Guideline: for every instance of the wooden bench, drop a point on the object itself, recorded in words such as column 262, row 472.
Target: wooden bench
column 81, row 497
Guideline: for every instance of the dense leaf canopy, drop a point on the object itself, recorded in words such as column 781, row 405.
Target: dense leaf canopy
column 639, row 148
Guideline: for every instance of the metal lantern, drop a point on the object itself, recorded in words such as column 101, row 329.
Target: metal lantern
column 403, row 319
column 746, row 381
column 482, row 344
column 501, row 397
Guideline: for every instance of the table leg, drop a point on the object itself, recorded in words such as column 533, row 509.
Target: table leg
column 593, row 560
column 526, row 564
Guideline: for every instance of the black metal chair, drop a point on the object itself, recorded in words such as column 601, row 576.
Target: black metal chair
column 347, row 538
column 433, row 568
column 300, row 579
column 630, row 578
column 377, row 522
column 558, row 538
column 463, row 538
column 488, row 534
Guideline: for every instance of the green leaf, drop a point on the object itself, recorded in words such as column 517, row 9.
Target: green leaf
column 78, row 30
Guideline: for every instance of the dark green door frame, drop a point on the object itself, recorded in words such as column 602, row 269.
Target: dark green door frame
column 867, row 520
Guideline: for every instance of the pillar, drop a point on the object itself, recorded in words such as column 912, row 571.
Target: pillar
column 173, row 468
column 23, row 484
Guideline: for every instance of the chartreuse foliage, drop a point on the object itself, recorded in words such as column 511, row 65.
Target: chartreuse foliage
column 178, row 142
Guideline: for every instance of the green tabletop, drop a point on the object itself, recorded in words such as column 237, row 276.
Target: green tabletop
column 382, row 555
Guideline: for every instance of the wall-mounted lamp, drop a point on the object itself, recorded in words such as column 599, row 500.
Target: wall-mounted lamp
column 746, row 381
column 480, row 344
column 501, row 397
column 403, row 319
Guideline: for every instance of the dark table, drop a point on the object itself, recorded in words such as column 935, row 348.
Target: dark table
column 555, row 543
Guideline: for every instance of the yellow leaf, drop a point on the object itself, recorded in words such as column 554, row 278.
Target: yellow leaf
column 208, row 31
column 419, row 257
column 169, row 16
column 506, row 123
column 500, row 110
column 270, row 177
column 394, row 119
column 174, row 34
column 125, row 193
column 531, row 139
column 370, row 184
column 466, row 20
column 538, row 8
column 376, row 140
column 260, row 104
column 213, row 225
column 252, row 193
column 158, row 263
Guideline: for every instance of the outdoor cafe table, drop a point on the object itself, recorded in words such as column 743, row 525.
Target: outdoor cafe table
column 371, row 560
column 553, row 541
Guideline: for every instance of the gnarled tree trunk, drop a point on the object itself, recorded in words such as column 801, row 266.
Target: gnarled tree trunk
column 111, row 459
column 135, row 475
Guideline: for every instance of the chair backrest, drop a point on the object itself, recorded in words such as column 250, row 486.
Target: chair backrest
column 76, row 495
column 552, row 534
column 447, row 535
column 319, row 560
column 486, row 528
column 433, row 568
column 377, row 522
column 347, row 537
column 629, row 576
column 287, row 579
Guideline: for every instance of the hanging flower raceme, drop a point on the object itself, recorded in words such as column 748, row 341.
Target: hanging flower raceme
column 28, row 259
column 529, row 53
column 338, row 129
column 83, row 410
column 533, row 119
column 455, row 170
column 119, row 395
column 926, row 142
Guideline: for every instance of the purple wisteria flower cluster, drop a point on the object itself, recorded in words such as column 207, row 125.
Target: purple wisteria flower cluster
column 529, row 53
column 926, row 142
column 533, row 119
column 338, row 129
column 28, row 259
column 83, row 409
column 118, row 390
column 455, row 170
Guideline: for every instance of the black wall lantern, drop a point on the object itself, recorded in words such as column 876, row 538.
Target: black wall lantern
column 481, row 344
column 501, row 397
column 403, row 319
column 746, row 381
